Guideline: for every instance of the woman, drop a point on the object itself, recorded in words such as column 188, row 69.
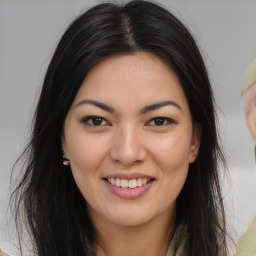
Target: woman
column 127, row 102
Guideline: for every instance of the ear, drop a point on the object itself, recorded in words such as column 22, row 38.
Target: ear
column 63, row 144
column 195, row 143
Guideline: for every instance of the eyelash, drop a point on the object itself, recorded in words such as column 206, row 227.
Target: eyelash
column 163, row 121
column 90, row 121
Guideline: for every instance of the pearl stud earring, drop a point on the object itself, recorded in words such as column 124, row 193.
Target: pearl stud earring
column 66, row 159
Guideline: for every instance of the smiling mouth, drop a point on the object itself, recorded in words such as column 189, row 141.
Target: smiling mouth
column 124, row 183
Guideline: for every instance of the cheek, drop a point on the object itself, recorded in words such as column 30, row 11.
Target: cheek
column 173, row 159
column 171, row 152
column 171, row 156
column 86, row 156
column 86, row 152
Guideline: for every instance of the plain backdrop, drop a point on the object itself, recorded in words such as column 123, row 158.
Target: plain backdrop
column 226, row 34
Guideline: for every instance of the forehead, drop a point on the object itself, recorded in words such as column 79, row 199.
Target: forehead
column 132, row 79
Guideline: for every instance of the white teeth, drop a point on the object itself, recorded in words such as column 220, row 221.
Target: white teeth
column 139, row 182
column 132, row 183
column 144, row 181
column 118, row 182
column 128, row 183
column 124, row 183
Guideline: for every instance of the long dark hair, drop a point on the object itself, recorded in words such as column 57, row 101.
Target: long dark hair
column 47, row 196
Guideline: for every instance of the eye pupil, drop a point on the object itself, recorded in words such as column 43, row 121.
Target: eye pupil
column 159, row 121
column 97, row 120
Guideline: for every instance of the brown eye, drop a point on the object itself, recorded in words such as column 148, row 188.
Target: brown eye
column 160, row 121
column 94, row 121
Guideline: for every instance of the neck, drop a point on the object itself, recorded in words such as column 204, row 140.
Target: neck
column 151, row 239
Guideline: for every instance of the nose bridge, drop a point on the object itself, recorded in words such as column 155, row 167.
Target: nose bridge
column 128, row 145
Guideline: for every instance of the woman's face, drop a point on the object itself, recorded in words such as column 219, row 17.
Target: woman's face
column 130, row 139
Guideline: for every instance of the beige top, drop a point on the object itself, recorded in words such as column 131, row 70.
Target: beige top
column 171, row 249
column 246, row 245
column 249, row 77
column 2, row 253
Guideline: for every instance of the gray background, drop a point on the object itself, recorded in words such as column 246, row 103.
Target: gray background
column 226, row 34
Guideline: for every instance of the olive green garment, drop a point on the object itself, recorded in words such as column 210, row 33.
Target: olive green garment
column 2, row 253
column 171, row 249
column 246, row 245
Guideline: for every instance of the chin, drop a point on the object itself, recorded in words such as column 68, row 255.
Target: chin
column 129, row 221
column 129, row 217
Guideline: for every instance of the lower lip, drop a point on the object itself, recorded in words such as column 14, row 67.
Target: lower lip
column 129, row 193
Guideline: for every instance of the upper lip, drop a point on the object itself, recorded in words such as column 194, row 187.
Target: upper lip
column 127, row 176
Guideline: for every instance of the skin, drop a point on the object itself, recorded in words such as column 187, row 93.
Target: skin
column 249, row 101
column 130, row 140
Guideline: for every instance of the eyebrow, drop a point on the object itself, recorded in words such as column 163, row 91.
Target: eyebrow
column 143, row 111
column 97, row 104
column 160, row 105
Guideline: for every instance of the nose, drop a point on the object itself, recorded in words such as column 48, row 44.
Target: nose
column 127, row 147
